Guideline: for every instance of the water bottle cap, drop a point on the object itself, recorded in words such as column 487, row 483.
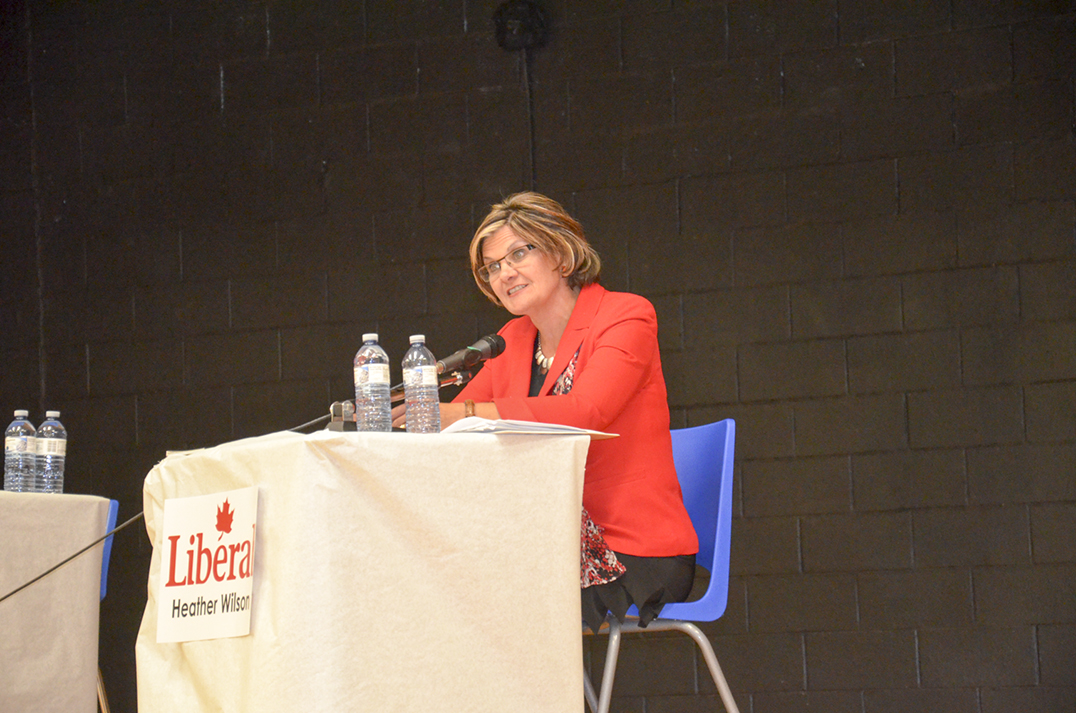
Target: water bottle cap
column 52, row 414
column 421, row 338
column 369, row 337
column 23, row 413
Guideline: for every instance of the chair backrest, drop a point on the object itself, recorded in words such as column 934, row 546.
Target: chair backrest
column 106, row 554
column 703, row 457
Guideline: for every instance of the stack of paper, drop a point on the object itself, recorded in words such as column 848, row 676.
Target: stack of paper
column 474, row 424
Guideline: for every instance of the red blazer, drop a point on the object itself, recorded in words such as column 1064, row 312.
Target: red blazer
column 630, row 487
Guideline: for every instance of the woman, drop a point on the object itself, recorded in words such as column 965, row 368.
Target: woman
column 582, row 356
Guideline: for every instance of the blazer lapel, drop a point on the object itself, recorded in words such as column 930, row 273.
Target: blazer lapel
column 586, row 307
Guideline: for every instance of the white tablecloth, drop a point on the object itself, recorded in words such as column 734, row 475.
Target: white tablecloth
column 48, row 631
column 393, row 572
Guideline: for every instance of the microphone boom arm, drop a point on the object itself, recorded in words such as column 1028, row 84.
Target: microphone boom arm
column 456, row 378
column 342, row 413
column 453, row 370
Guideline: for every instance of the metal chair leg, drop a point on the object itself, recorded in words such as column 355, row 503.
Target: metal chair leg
column 102, row 698
column 588, row 691
column 612, row 652
column 685, row 627
column 711, row 663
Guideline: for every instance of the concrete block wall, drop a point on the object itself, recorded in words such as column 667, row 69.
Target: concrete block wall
column 856, row 220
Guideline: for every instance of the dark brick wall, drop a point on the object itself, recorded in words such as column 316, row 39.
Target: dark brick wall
column 855, row 218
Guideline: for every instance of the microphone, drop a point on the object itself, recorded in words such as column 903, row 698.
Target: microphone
column 487, row 347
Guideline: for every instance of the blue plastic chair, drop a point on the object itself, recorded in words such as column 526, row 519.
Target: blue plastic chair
column 106, row 554
column 703, row 457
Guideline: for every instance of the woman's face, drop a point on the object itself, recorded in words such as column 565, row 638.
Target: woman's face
column 529, row 285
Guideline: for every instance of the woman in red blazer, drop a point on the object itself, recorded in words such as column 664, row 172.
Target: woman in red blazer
column 582, row 356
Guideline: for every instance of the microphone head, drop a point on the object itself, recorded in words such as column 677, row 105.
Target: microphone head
column 485, row 348
column 496, row 344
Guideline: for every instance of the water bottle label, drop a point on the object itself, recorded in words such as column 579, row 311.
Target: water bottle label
column 52, row 446
column 20, row 444
column 376, row 373
column 421, row 376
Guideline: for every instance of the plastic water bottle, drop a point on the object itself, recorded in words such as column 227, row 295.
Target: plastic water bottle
column 20, row 454
column 420, row 388
column 51, row 451
column 373, row 407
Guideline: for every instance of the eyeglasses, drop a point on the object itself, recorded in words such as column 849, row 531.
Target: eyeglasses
column 517, row 257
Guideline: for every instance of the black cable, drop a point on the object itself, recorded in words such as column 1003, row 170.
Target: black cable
column 527, row 85
column 87, row 548
column 317, row 420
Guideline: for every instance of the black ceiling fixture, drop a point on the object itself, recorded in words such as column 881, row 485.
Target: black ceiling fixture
column 520, row 25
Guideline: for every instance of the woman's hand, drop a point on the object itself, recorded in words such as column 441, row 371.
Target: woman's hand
column 399, row 415
column 450, row 413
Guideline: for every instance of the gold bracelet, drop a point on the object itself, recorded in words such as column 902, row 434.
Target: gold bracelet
column 468, row 408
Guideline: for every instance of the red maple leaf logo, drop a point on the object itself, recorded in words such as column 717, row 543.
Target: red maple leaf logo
column 224, row 519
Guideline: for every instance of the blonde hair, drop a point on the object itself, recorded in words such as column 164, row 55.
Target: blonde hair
column 543, row 223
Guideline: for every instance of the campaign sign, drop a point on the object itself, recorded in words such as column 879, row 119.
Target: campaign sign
column 207, row 566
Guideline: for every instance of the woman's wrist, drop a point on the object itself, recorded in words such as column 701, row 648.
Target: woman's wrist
column 452, row 412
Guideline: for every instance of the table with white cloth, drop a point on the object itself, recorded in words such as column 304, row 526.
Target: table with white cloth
column 392, row 572
column 48, row 631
